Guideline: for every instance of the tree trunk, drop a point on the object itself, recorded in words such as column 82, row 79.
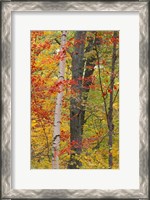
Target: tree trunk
column 87, row 81
column 76, row 99
column 57, row 116
column 78, row 103
column 110, row 109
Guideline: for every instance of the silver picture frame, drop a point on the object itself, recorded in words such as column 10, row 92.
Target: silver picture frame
column 7, row 7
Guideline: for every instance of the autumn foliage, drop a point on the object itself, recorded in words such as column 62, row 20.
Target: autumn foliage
column 95, row 93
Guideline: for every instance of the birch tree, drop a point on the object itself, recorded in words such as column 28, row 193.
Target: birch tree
column 57, row 115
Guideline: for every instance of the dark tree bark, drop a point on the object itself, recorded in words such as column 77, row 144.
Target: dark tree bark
column 81, row 90
column 75, row 101
column 110, row 109
column 87, row 81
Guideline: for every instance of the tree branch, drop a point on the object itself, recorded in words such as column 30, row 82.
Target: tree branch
column 116, row 95
column 100, row 82
column 60, row 44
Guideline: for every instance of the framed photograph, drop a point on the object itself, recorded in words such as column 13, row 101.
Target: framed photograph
column 75, row 100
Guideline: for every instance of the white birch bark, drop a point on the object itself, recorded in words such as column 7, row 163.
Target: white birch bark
column 57, row 116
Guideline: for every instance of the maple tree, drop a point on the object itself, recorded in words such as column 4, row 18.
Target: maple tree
column 75, row 99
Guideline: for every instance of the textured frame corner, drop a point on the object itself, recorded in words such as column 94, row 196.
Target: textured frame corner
column 7, row 8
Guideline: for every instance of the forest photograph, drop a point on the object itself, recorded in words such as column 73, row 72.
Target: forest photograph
column 74, row 99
